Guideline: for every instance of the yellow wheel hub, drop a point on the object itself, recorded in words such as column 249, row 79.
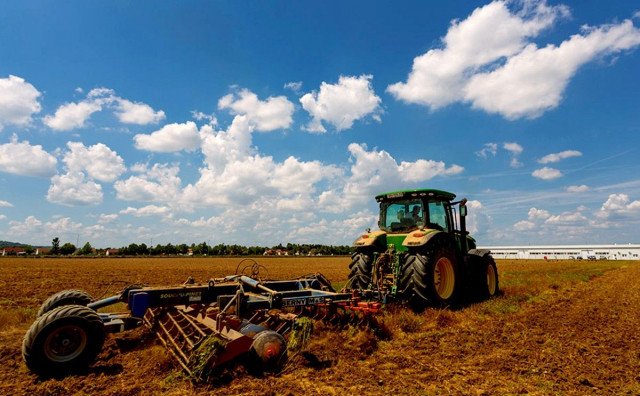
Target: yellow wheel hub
column 444, row 278
column 491, row 280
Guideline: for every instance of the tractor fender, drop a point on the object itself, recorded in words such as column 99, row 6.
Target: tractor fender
column 479, row 252
column 371, row 239
column 421, row 237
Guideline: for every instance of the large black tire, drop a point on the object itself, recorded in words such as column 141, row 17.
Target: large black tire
column 361, row 267
column 487, row 281
column 64, row 340
column 430, row 276
column 65, row 297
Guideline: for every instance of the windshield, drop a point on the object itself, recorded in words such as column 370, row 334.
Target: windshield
column 401, row 216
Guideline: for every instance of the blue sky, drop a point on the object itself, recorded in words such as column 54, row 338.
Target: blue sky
column 273, row 122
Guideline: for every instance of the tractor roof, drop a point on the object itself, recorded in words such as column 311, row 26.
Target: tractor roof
column 425, row 192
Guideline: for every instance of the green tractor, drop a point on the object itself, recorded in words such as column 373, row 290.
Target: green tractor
column 422, row 253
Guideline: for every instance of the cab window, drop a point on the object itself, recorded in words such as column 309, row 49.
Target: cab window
column 402, row 216
column 437, row 216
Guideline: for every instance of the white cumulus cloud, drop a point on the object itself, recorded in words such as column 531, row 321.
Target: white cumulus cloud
column 567, row 218
column 5, row 204
column 21, row 158
column 374, row 171
column 341, row 104
column 236, row 174
column 72, row 189
column 159, row 183
column 84, row 165
column 619, row 206
column 478, row 220
column 72, row 115
column 76, row 114
column 546, row 173
column 538, row 214
column 489, row 61
column 107, row 218
column 169, row 138
column 514, row 150
column 268, row 115
column 149, row 210
column 137, row 113
column 18, row 101
column 99, row 161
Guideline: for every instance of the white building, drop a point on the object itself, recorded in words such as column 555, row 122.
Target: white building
column 567, row 252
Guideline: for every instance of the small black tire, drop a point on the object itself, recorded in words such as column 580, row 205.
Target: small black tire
column 65, row 297
column 361, row 267
column 488, row 284
column 268, row 351
column 430, row 277
column 63, row 340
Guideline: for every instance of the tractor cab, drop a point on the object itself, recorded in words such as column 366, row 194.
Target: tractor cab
column 408, row 217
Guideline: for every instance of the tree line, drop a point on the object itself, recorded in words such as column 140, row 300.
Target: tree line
column 201, row 249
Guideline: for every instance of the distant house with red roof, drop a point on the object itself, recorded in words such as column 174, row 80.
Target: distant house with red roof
column 13, row 251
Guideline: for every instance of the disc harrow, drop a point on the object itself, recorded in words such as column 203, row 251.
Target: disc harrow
column 204, row 326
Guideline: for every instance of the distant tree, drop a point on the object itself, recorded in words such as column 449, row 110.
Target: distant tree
column 67, row 248
column 55, row 246
column 86, row 249
column 182, row 248
column 203, row 248
column 29, row 249
column 169, row 249
column 132, row 250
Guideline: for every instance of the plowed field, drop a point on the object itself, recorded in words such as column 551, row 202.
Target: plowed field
column 558, row 328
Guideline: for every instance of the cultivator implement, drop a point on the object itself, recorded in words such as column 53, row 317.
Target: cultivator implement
column 203, row 326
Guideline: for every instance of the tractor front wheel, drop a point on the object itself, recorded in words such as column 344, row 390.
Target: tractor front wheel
column 430, row 277
column 63, row 340
column 488, row 285
column 361, row 267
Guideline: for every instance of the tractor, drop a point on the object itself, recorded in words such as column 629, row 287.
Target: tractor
column 422, row 254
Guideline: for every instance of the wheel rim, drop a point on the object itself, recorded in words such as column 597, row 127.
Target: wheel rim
column 444, row 278
column 65, row 343
column 491, row 280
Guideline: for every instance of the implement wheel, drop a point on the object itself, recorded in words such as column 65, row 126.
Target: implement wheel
column 65, row 297
column 361, row 267
column 269, row 351
column 430, row 277
column 63, row 340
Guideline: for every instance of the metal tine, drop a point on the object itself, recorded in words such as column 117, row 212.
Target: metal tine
column 180, row 329
column 173, row 342
column 319, row 314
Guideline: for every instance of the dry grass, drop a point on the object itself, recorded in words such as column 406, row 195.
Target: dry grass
column 558, row 328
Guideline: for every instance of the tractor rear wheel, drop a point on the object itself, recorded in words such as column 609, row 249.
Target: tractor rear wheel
column 430, row 277
column 361, row 267
column 63, row 340
column 65, row 297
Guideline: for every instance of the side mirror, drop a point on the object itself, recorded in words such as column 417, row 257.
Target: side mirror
column 463, row 211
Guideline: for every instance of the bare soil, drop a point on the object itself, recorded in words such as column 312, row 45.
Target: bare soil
column 559, row 327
